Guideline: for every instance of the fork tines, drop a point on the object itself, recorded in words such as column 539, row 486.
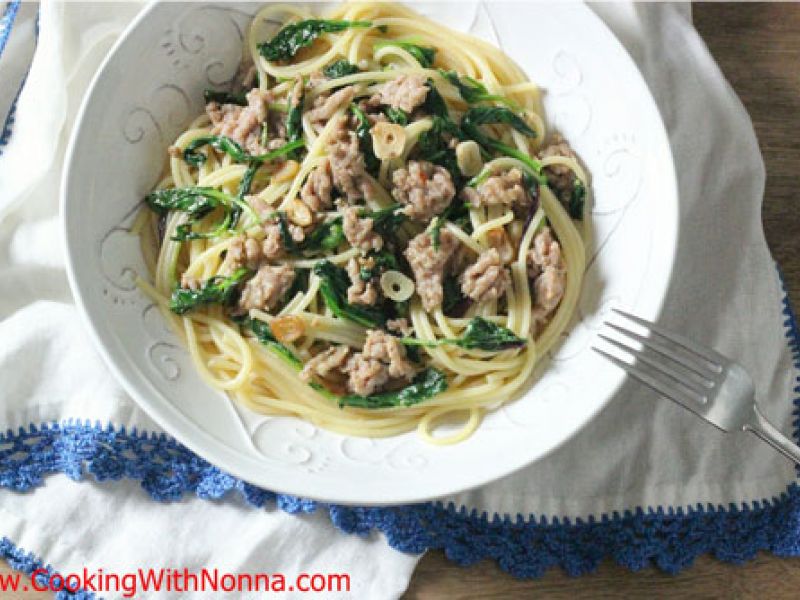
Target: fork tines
column 670, row 364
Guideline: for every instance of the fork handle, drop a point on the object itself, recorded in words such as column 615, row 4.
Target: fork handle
column 770, row 434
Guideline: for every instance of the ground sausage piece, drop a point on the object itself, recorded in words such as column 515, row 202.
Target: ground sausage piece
column 358, row 231
column 386, row 348
column 560, row 178
column 487, row 279
column 506, row 188
column 428, row 265
column 326, row 105
column 316, row 192
column 267, row 287
column 241, row 123
column 405, row 92
column 243, row 252
column 325, row 363
column 382, row 359
column 365, row 376
column 273, row 247
column 401, row 326
column 426, row 189
column 360, row 291
column 347, row 162
column 549, row 274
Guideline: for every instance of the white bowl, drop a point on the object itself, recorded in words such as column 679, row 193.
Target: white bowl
column 149, row 88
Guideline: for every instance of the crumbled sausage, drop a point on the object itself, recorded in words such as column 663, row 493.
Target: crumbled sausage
column 326, row 363
column 486, row 279
column 386, row 348
column 365, row 376
column 428, row 265
column 316, row 192
column 273, row 246
column 405, row 92
column 382, row 359
column 243, row 252
column 426, row 189
column 549, row 274
column 560, row 178
column 347, row 162
column 361, row 291
column 267, row 287
column 506, row 188
column 401, row 326
column 325, row 105
column 359, row 232
column 242, row 123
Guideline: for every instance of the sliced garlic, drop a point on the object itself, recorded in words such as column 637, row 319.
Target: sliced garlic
column 468, row 158
column 388, row 140
column 396, row 286
column 288, row 328
column 299, row 213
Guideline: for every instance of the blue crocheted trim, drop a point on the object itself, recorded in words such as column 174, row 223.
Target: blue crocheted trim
column 27, row 563
column 7, row 22
column 670, row 538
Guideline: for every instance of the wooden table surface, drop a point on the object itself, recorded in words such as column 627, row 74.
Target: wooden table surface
column 758, row 48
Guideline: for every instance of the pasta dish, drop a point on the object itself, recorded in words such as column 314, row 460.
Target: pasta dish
column 370, row 228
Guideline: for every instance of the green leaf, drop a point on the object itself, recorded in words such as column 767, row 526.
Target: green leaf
column 294, row 118
column 385, row 221
column 383, row 261
column 480, row 334
column 426, row 384
column 234, row 150
column 452, row 294
column 333, row 287
column 198, row 202
column 500, row 115
column 289, row 40
column 396, row 115
column 340, row 68
column 217, row 290
column 289, row 244
column 424, row 55
column 577, row 200
column 326, row 236
column 264, row 335
column 492, row 115
column 222, row 97
column 434, row 104
column 195, row 201
column 458, row 212
column 473, row 91
column 365, row 140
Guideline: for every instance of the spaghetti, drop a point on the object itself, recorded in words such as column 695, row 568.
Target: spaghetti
column 371, row 234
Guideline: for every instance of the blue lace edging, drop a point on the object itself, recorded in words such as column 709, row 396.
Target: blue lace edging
column 27, row 563
column 669, row 538
column 7, row 22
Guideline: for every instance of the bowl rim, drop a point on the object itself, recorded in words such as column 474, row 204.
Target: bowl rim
column 216, row 452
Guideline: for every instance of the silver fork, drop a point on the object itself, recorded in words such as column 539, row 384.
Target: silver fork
column 698, row 378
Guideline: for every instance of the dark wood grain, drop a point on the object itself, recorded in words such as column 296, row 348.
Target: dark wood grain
column 758, row 48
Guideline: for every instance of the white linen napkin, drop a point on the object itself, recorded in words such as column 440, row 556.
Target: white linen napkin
column 639, row 452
